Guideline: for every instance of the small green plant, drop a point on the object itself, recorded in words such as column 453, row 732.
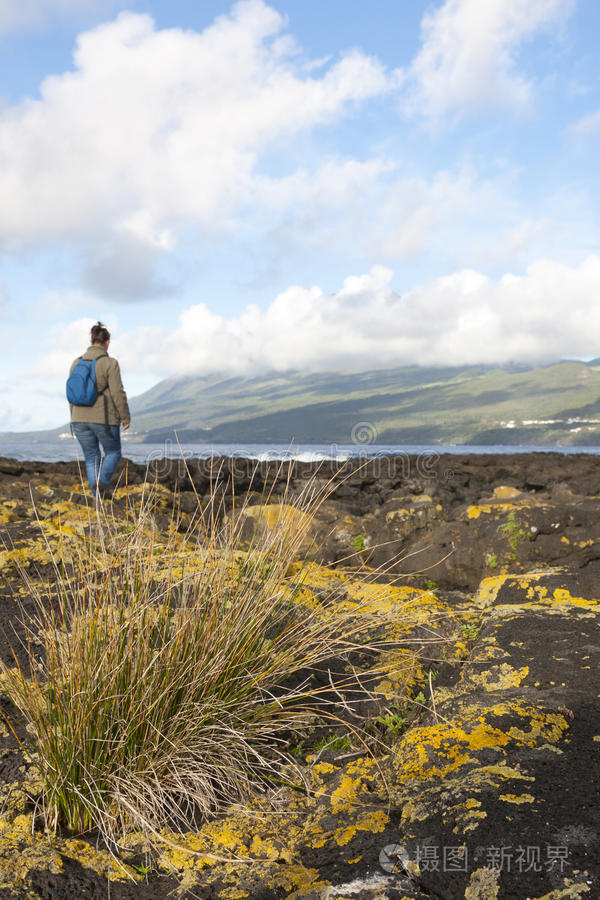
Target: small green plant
column 430, row 584
column 358, row 542
column 393, row 723
column 469, row 632
column 419, row 700
column 142, row 869
column 298, row 749
column 333, row 742
column 513, row 531
column 491, row 560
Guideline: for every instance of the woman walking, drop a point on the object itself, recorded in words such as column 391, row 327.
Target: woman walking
column 97, row 425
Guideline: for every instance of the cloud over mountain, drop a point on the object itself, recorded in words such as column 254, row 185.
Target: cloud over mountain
column 464, row 317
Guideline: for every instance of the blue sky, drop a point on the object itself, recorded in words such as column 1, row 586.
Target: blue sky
column 239, row 188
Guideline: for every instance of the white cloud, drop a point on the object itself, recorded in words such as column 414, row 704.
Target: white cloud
column 329, row 209
column 375, row 211
column 25, row 13
column 416, row 211
column 589, row 124
column 468, row 60
column 55, row 303
column 158, row 129
column 66, row 340
column 515, row 242
column 330, row 187
column 461, row 318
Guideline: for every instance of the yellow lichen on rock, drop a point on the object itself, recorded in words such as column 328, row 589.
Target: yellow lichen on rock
column 483, row 885
column 434, row 751
column 401, row 670
column 23, row 849
column 489, row 588
column 517, row 798
column 155, row 492
column 476, row 510
column 535, row 592
column 506, row 492
column 499, row 678
column 418, row 513
column 352, row 782
column 7, row 512
column 373, row 822
column 401, row 608
column 99, row 861
column 465, row 814
column 279, row 515
column 36, row 552
column 64, row 517
column 573, row 891
column 562, row 597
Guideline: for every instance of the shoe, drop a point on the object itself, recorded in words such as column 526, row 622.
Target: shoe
column 104, row 491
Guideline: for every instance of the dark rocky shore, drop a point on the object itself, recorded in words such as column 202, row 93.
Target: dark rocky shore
column 491, row 566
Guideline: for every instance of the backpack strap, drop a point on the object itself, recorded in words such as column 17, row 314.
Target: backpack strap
column 103, row 393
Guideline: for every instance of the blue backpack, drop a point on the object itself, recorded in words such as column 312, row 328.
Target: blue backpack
column 81, row 383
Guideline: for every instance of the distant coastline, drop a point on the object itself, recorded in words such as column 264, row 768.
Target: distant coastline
column 63, row 450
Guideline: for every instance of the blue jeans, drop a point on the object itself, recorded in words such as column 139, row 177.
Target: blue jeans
column 92, row 436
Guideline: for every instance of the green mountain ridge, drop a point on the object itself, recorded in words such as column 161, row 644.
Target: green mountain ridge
column 411, row 404
column 547, row 405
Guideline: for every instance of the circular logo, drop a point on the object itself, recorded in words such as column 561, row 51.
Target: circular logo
column 394, row 859
column 363, row 433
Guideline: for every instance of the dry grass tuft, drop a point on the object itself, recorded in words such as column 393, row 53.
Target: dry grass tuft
column 162, row 691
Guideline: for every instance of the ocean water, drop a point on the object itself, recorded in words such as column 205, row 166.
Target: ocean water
column 68, row 449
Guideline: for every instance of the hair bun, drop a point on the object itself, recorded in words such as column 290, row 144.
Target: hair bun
column 100, row 334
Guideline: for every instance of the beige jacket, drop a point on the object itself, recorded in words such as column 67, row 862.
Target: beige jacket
column 108, row 375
